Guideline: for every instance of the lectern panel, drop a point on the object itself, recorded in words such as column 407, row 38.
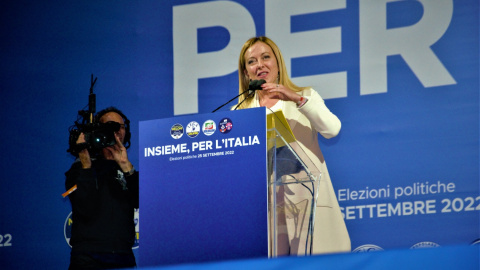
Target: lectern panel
column 203, row 189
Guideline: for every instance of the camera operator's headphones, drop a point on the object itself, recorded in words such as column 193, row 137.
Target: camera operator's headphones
column 128, row 135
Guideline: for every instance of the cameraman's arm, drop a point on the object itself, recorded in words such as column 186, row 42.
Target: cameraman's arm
column 81, row 174
column 85, row 198
column 83, row 155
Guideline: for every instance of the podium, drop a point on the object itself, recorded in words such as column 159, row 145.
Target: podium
column 223, row 186
column 293, row 191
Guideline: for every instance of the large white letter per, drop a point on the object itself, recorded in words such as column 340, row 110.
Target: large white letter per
column 278, row 15
column 411, row 42
column 189, row 65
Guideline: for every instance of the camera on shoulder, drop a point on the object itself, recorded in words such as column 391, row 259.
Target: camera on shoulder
column 97, row 136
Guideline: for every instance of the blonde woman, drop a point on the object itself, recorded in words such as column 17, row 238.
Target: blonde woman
column 305, row 111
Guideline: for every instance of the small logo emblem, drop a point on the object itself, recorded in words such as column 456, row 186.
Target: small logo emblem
column 225, row 125
column 193, row 129
column 67, row 228
column 425, row 245
column 367, row 248
column 209, row 127
column 176, row 131
column 136, row 221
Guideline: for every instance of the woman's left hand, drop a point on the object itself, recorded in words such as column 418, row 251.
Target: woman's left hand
column 282, row 92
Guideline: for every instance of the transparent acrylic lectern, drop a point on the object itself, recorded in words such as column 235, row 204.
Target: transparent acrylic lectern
column 293, row 182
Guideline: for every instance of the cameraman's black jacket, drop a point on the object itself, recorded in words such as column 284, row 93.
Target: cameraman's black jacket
column 102, row 208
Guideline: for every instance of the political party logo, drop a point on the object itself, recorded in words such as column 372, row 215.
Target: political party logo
column 67, row 228
column 225, row 125
column 425, row 245
column 136, row 220
column 209, row 127
column 367, row 248
column 176, row 131
column 193, row 129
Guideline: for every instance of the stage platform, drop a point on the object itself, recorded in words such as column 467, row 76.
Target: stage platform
column 452, row 257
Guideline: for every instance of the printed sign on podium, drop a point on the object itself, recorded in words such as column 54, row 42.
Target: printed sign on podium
column 203, row 188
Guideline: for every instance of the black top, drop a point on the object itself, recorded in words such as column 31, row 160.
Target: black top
column 102, row 207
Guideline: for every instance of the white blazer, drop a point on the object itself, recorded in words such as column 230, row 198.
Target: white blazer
column 330, row 232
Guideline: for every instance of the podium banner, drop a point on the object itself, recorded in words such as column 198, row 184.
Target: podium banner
column 203, row 189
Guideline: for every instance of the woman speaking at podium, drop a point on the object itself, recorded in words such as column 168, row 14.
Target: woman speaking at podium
column 307, row 115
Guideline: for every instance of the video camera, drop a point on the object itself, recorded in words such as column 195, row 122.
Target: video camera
column 97, row 135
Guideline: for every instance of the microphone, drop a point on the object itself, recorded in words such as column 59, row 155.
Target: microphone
column 252, row 86
column 256, row 85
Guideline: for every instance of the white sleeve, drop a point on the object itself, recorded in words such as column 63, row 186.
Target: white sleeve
column 320, row 117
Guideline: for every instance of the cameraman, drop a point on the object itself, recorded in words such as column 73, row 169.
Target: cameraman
column 103, row 229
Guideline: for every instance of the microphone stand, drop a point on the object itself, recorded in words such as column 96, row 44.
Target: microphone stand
column 230, row 100
column 254, row 85
column 249, row 95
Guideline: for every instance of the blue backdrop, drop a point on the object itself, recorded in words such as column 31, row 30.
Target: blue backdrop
column 403, row 77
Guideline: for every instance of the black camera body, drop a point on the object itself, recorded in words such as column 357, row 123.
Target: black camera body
column 97, row 136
